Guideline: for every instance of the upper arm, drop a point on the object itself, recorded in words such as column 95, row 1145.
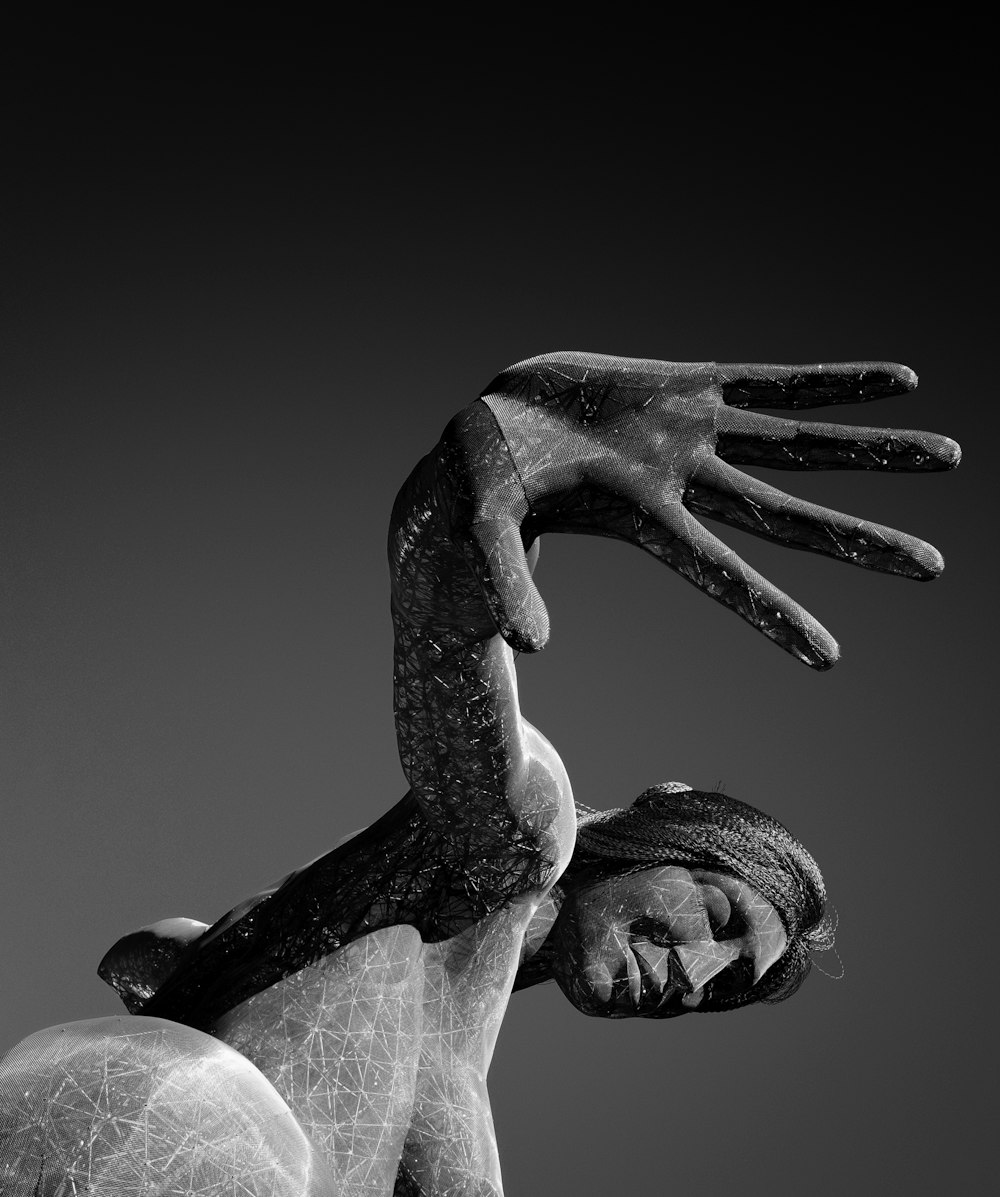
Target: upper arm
column 451, row 1145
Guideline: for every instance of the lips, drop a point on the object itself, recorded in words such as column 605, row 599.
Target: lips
column 652, row 981
column 663, row 983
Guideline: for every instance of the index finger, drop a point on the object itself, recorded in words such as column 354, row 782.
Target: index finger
column 758, row 384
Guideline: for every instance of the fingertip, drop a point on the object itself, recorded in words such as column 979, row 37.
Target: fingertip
column 498, row 562
column 932, row 563
column 813, row 646
column 878, row 379
column 820, row 653
column 931, row 451
column 950, row 452
column 798, row 633
column 530, row 639
column 906, row 377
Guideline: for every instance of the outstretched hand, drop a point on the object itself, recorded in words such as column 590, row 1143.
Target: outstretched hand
column 636, row 449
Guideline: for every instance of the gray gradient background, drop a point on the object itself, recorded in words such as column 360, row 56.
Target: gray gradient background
column 242, row 297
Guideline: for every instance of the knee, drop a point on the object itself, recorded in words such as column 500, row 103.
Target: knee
column 144, row 1102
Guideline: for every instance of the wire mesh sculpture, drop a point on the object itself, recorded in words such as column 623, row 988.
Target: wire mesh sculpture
column 363, row 994
column 131, row 1105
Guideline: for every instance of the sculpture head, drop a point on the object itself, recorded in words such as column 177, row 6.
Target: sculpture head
column 685, row 901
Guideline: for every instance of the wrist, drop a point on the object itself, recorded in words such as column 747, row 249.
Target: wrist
column 467, row 482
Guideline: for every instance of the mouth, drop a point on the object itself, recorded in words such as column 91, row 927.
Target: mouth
column 653, row 997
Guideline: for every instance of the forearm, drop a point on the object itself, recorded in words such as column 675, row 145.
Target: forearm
column 450, row 1148
column 574, row 442
column 459, row 730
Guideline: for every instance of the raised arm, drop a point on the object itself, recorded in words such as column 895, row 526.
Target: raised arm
column 476, row 769
column 632, row 449
column 566, row 442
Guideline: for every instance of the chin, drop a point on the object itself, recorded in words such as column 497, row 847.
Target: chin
column 596, row 1009
column 667, row 1012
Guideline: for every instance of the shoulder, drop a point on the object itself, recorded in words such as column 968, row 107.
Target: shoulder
column 548, row 810
column 382, row 960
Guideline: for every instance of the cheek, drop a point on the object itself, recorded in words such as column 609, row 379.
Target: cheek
column 769, row 946
column 734, row 980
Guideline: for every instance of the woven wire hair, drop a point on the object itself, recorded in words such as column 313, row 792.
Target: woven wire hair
column 672, row 825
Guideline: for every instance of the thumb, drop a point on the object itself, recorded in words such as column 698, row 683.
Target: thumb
column 497, row 558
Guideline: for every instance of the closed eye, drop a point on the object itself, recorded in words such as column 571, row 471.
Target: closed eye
column 735, row 928
column 651, row 931
column 720, row 912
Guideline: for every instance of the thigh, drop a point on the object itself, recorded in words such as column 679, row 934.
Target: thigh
column 127, row 1105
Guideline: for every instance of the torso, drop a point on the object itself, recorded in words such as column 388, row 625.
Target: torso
column 382, row 1047
column 340, row 1040
column 387, row 1042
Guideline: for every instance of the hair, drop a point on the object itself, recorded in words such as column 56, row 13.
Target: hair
column 671, row 824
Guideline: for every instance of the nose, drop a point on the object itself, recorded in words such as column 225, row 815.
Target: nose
column 688, row 966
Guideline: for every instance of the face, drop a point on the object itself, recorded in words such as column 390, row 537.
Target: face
column 646, row 944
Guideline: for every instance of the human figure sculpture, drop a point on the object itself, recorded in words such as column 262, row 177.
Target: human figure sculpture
column 368, row 987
